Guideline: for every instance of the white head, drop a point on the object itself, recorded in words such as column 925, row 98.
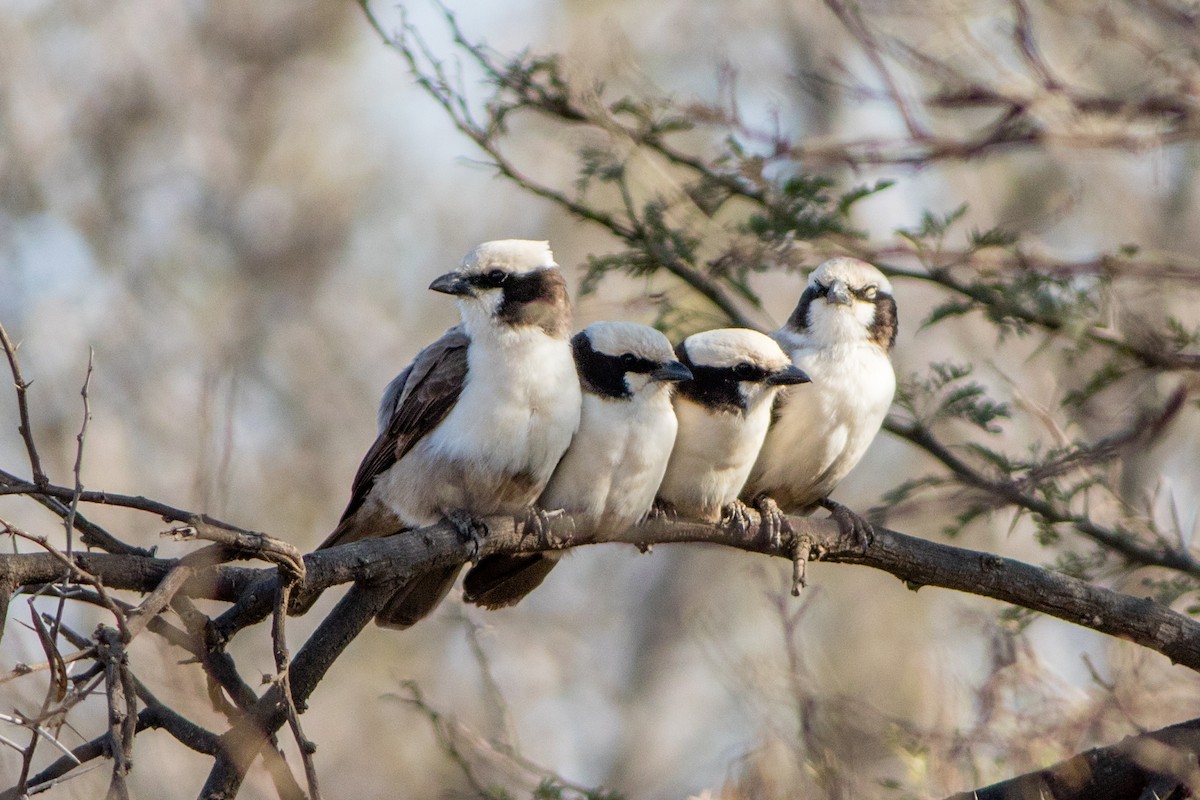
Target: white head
column 624, row 360
column 847, row 300
column 735, row 369
column 512, row 283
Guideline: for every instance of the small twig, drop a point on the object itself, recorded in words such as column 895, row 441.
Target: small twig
column 507, row 739
column 223, row 679
column 25, row 429
column 38, row 730
column 58, row 667
column 141, row 616
column 80, row 575
column 10, row 484
column 448, row 736
column 251, row 543
column 851, row 18
column 77, row 471
column 122, row 707
column 280, row 650
column 21, row 670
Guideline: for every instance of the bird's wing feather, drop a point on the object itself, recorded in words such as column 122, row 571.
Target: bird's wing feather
column 433, row 384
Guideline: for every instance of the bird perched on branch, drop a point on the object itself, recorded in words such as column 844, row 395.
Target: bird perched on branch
column 615, row 463
column 475, row 425
column 723, row 414
column 841, row 333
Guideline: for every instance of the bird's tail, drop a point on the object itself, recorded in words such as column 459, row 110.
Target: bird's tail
column 502, row 580
column 417, row 598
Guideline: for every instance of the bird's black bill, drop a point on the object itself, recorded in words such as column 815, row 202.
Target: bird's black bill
column 788, row 376
column 671, row 371
column 451, row 283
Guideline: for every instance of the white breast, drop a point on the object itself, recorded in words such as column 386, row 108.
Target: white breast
column 494, row 452
column 616, row 461
column 824, row 427
column 712, row 457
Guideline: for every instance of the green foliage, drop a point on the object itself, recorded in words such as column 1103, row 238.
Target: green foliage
column 933, row 227
column 1082, row 565
column 801, row 207
column 1167, row 589
column 994, row 237
column 550, row 789
column 945, row 393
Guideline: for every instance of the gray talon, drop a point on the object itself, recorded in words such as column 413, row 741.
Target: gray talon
column 470, row 530
column 736, row 518
column 850, row 524
column 662, row 510
column 774, row 521
column 537, row 523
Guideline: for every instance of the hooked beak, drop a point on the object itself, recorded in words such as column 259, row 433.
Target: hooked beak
column 789, row 375
column 671, row 371
column 451, row 283
column 839, row 294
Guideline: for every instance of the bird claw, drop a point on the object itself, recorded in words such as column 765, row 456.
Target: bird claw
column 851, row 525
column 736, row 518
column 470, row 530
column 801, row 546
column 774, row 522
column 662, row 510
column 537, row 523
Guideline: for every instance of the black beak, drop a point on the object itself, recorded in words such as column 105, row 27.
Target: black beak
column 789, row 375
column 451, row 283
column 671, row 371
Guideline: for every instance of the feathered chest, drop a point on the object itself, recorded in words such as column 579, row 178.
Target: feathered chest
column 519, row 404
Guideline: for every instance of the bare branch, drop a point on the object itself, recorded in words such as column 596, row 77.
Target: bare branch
column 93, row 534
column 122, row 708
column 282, row 668
column 25, row 429
column 1120, row 771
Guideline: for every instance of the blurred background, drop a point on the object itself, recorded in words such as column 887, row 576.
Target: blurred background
column 237, row 208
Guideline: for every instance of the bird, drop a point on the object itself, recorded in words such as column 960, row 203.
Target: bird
column 609, row 475
column 723, row 413
column 841, row 333
column 476, row 424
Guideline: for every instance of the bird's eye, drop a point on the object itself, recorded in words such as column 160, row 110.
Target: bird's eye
column 744, row 370
column 870, row 292
column 497, row 277
column 628, row 359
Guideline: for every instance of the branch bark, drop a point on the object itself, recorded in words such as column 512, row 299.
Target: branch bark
column 918, row 562
column 1163, row 761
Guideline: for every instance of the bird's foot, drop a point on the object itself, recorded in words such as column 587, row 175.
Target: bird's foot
column 774, row 522
column 663, row 509
column 850, row 524
column 537, row 523
column 470, row 530
column 737, row 518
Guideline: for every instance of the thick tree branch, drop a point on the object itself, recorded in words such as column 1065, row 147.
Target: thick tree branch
column 916, row 561
column 1121, row 771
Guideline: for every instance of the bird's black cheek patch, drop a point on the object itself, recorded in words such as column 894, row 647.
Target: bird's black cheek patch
column 715, row 388
column 886, row 323
column 599, row 373
column 536, row 298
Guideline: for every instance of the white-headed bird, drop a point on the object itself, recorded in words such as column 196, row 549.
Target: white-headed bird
column 841, row 333
column 608, row 477
column 476, row 424
column 723, row 413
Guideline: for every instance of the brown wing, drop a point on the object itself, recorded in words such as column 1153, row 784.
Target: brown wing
column 424, row 394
